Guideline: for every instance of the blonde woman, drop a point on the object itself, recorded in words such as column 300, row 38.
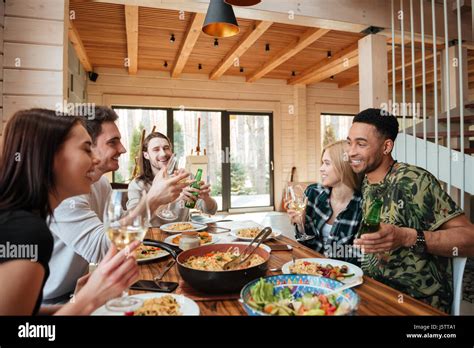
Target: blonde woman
column 334, row 209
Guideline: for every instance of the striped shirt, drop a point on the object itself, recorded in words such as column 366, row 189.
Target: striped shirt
column 344, row 228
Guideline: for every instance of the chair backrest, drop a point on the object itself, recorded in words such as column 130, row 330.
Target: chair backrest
column 459, row 263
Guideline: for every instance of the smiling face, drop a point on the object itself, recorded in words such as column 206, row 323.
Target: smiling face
column 366, row 147
column 74, row 164
column 158, row 153
column 108, row 149
column 329, row 175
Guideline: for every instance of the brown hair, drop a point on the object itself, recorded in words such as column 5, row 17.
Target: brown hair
column 146, row 173
column 31, row 140
column 94, row 122
column 337, row 153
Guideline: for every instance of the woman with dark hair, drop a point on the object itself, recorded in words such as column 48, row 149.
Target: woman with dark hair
column 46, row 158
column 155, row 155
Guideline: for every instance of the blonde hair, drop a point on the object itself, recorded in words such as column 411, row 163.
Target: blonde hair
column 343, row 169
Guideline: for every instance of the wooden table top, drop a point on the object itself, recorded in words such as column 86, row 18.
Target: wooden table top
column 375, row 298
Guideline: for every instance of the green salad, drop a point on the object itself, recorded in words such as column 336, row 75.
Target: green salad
column 263, row 298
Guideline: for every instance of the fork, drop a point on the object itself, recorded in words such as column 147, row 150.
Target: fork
column 160, row 276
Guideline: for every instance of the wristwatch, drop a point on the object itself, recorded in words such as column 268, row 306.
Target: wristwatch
column 420, row 246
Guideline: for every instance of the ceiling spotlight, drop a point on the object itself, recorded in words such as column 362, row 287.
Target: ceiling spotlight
column 172, row 38
column 241, row 69
column 200, row 66
column 216, row 42
column 166, row 64
column 267, row 47
column 329, row 54
column 293, row 73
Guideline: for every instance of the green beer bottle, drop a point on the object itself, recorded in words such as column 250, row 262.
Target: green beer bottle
column 195, row 184
column 371, row 222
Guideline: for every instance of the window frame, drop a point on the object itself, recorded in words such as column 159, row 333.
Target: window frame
column 225, row 143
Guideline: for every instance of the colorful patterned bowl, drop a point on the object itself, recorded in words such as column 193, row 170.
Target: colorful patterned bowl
column 300, row 284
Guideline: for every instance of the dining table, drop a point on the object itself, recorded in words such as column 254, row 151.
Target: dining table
column 376, row 298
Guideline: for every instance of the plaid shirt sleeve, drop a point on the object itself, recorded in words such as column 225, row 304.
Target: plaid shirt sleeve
column 318, row 212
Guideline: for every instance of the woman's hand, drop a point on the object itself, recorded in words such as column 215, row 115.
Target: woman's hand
column 116, row 272
column 295, row 217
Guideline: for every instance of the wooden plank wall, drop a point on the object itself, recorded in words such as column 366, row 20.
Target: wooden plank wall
column 35, row 33
column 151, row 88
column 77, row 78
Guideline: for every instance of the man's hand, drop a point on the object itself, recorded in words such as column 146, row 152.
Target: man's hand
column 165, row 189
column 388, row 237
column 203, row 193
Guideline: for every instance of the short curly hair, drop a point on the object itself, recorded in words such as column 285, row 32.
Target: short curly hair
column 385, row 123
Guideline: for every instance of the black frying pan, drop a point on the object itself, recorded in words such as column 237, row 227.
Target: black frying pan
column 215, row 281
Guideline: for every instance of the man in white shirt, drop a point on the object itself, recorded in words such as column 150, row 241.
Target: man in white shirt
column 76, row 225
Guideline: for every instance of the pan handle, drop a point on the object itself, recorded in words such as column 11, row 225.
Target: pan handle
column 174, row 251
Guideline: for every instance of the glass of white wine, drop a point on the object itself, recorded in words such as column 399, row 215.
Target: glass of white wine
column 123, row 228
column 297, row 201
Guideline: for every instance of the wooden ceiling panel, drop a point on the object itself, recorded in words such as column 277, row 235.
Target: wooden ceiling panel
column 102, row 30
column 208, row 55
column 101, row 27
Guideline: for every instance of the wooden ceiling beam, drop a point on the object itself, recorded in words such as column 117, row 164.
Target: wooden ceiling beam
column 309, row 37
column 240, row 48
column 190, row 38
column 76, row 42
column 131, row 24
column 337, row 62
column 349, row 83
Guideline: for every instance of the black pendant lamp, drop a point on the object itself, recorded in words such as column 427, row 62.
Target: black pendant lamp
column 243, row 2
column 220, row 20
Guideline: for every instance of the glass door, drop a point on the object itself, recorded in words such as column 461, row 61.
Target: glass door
column 251, row 160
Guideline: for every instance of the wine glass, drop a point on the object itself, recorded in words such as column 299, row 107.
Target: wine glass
column 123, row 228
column 297, row 201
column 166, row 213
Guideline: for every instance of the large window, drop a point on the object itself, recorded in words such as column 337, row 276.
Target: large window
column 250, row 160
column 185, row 140
column 334, row 127
column 238, row 146
column 131, row 123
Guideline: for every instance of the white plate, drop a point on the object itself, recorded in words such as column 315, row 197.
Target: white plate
column 160, row 255
column 196, row 227
column 263, row 246
column 169, row 239
column 234, row 233
column 206, row 219
column 187, row 306
column 358, row 273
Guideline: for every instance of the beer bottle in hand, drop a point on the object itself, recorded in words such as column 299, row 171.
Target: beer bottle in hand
column 371, row 222
column 191, row 204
